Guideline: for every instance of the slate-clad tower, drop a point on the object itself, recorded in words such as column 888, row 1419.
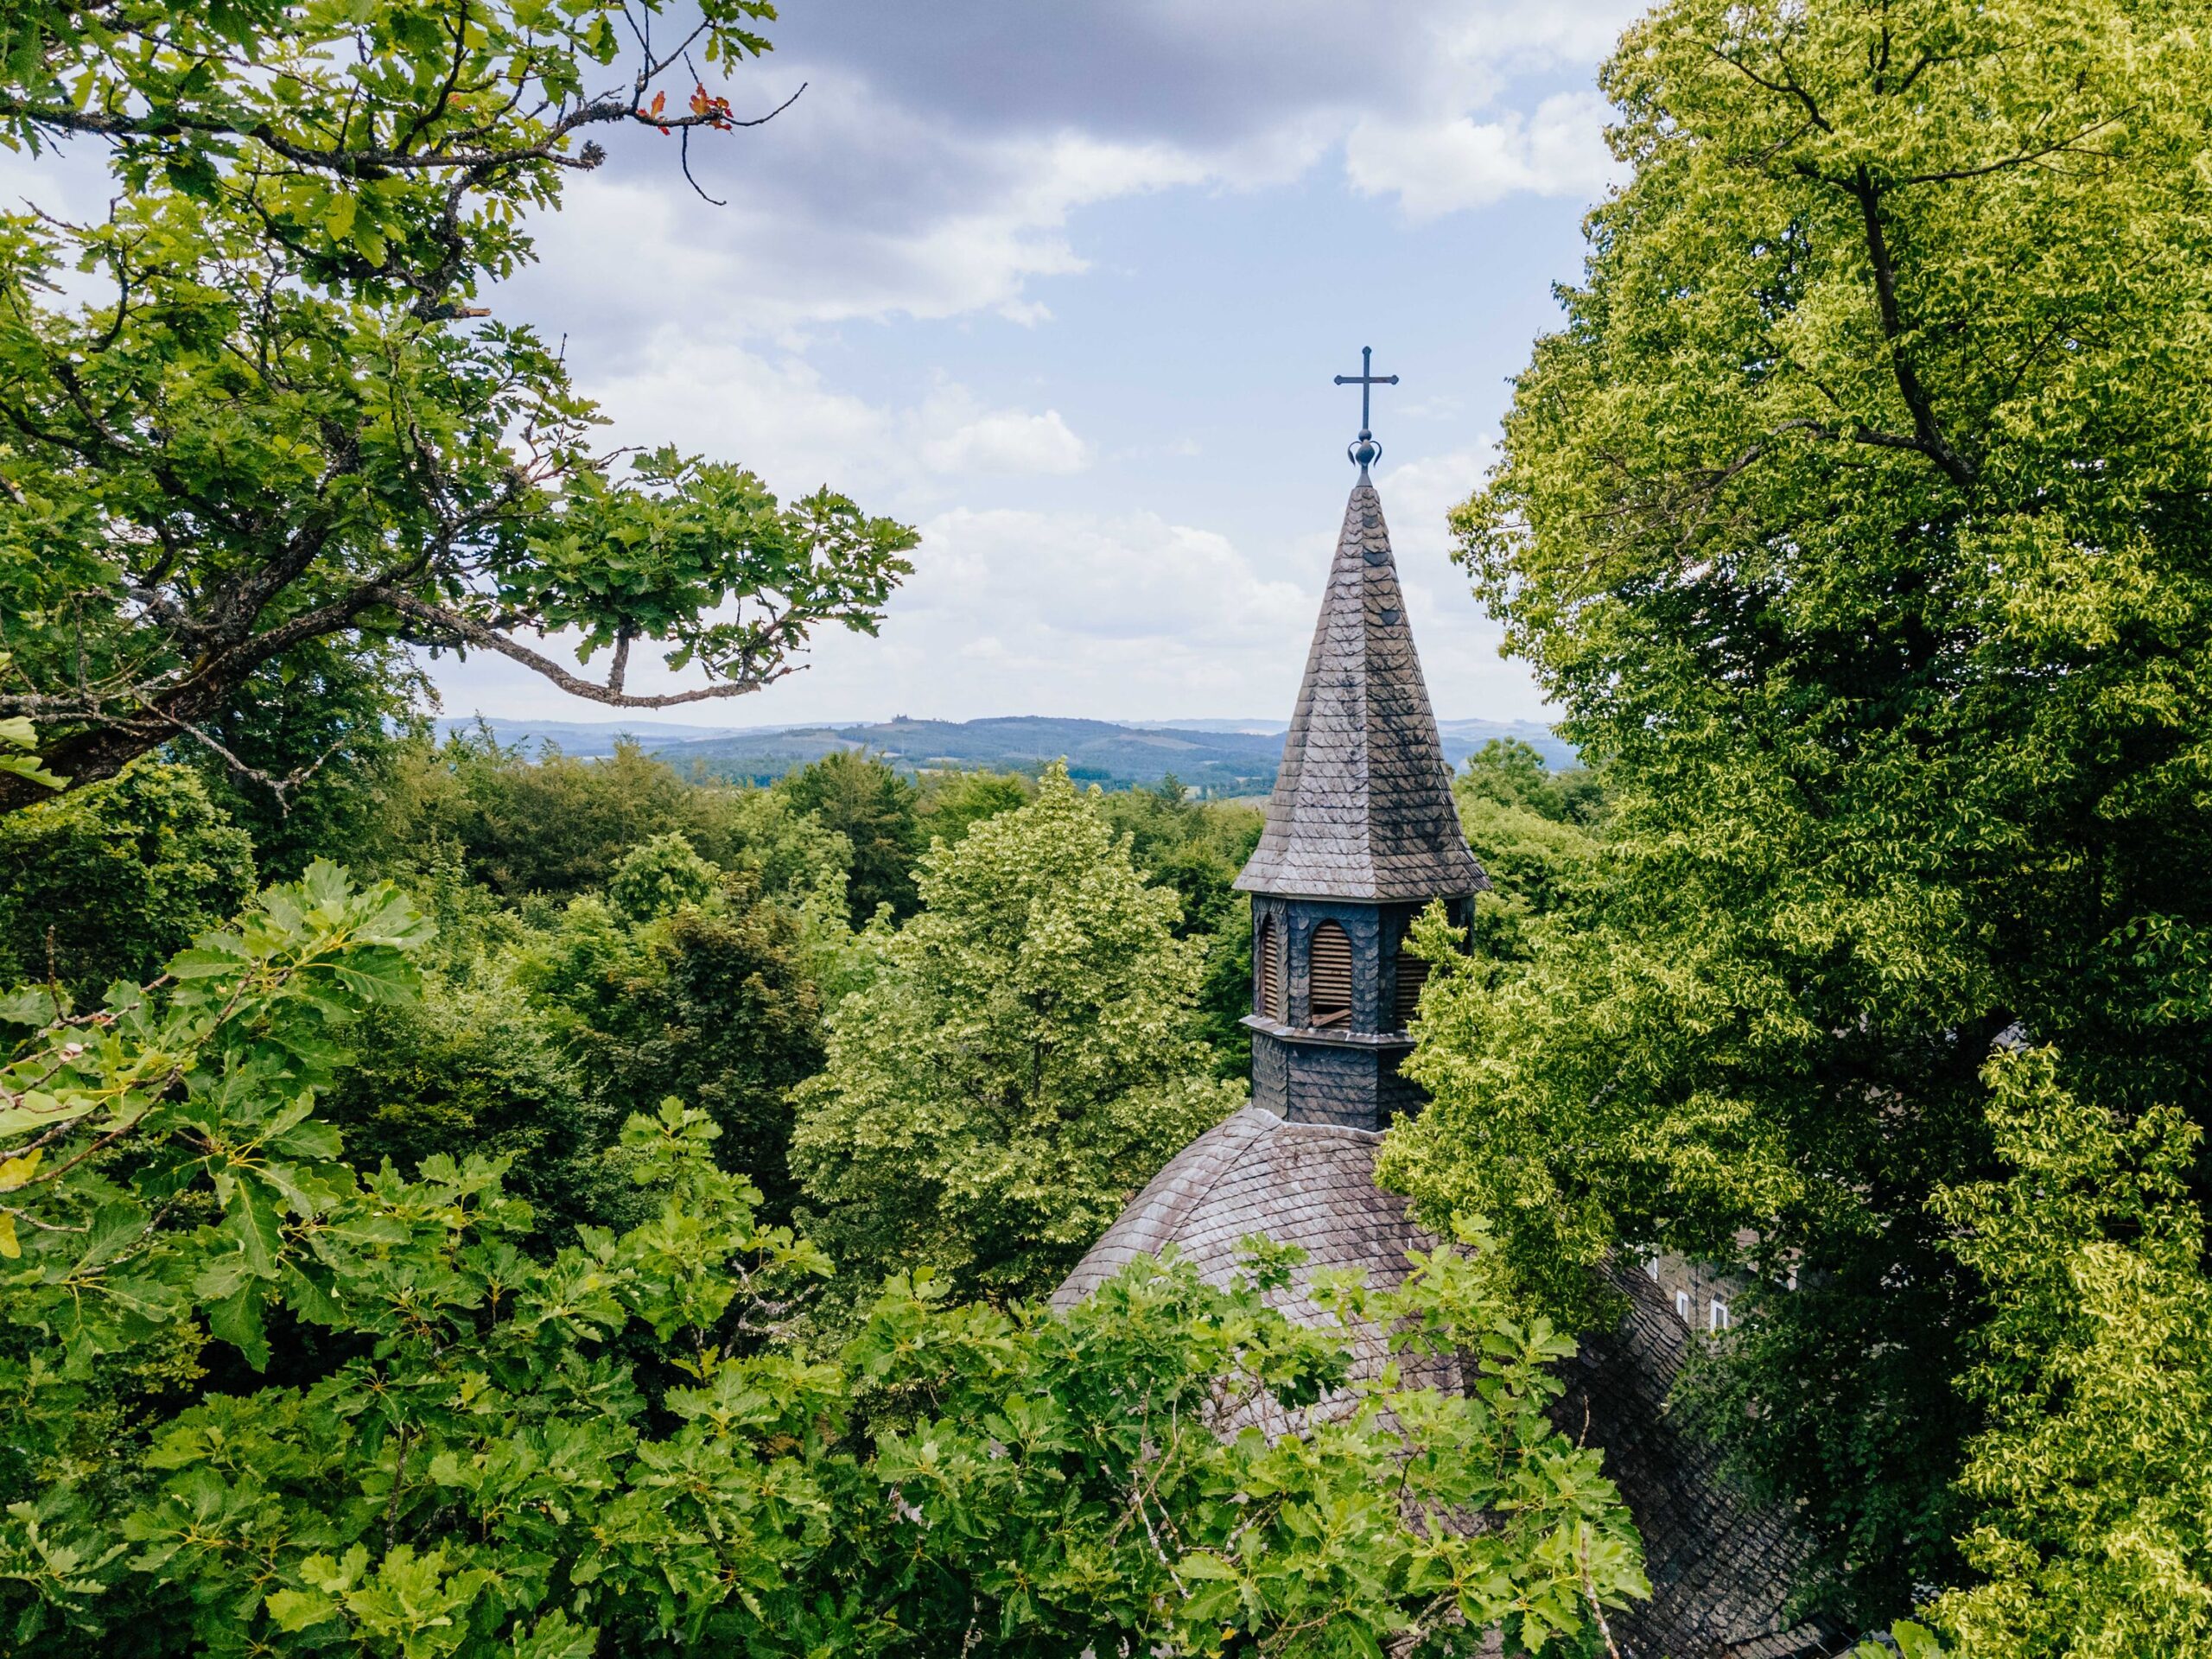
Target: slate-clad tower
column 1362, row 835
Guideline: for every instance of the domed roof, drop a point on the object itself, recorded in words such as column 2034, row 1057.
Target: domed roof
column 1720, row 1565
column 1311, row 1184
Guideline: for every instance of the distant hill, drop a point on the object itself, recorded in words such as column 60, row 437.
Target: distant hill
column 1216, row 757
column 1096, row 751
column 588, row 738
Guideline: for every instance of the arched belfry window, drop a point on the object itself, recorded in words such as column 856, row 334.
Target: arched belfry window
column 1328, row 982
column 1266, row 962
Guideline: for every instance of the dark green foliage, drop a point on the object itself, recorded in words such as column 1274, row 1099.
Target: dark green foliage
column 326, row 728
column 473, row 1068
column 124, row 874
column 561, row 826
column 953, row 801
column 707, row 1002
column 878, row 812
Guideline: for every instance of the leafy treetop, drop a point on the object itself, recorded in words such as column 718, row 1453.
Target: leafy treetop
column 280, row 417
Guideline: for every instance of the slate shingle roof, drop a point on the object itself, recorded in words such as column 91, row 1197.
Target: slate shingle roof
column 1720, row 1565
column 1363, row 803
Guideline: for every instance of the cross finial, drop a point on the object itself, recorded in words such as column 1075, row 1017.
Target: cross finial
column 1365, row 451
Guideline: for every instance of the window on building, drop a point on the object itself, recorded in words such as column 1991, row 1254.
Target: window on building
column 1328, row 981
column 1266, row 962
column 1652, row 1269
column 1716, row 1318
column 1413, row 974
column 1682, row 1305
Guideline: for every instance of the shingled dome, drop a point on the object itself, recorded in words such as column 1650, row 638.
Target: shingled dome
column 1363, row 803
column 1720, row 1567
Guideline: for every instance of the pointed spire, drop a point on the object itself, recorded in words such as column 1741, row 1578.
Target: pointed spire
column 1363, row 804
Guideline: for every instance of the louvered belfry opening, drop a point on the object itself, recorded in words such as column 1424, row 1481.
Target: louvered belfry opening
column 1413, row 974
column 1328, row 971
column 1267, row 962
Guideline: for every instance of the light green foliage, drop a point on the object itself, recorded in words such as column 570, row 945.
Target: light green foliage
column 2093, row 1472
column 1859, row 519
column 612, row 1451
column 1197, row 848
column 19, row 748
column 282, row 414
column 1022, row 1061
column 660, row 878
column 124, row 873
column 1533, row 832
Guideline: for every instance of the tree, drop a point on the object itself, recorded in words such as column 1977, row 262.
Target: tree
column 1198, row 849
column 1532, row 834
column 2093, row 1470
column 660, row 878
column 706, row 997
column 1023, row 1061
column 1859, row 519
column 561, row 826
column 613, row 1450
column 286, row 420
column 952, row 803
column 878, row 813
column 123, row 875
column 307, row 757
column 474, row 1067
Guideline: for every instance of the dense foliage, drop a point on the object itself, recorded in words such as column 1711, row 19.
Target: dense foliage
column 105, row 886
column 1020, row 1061
column 1859, row 520
column 281, row 434
column 466, row 1444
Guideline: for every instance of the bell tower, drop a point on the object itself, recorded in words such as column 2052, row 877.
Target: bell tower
column 1362, row 834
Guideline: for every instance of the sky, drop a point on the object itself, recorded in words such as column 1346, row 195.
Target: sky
column 1064, row 285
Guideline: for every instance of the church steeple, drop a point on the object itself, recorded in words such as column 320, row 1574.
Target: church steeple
column 1362, row 834
column 1363, row 803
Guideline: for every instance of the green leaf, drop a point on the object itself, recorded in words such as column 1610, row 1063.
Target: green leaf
column 295, row 1609
column 236, row 1320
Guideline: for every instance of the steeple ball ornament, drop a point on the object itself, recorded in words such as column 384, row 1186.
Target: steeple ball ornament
column 1363, row 452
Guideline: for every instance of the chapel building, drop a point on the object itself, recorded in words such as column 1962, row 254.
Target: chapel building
column 1363, row 835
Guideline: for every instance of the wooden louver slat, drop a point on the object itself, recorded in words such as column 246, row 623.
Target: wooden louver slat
column 1413, row 974
column 1267, row 953
column 1328, row 966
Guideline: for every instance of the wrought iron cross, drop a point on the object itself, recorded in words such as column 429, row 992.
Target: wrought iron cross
column 1365, row 451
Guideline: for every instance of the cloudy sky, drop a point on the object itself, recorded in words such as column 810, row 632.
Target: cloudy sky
column 1064, row 285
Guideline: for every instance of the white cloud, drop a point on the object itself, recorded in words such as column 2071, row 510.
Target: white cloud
column 939, row 154
column 1458, row 163
column 1009, row 441
column 1128, row 616
column 776, row 413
